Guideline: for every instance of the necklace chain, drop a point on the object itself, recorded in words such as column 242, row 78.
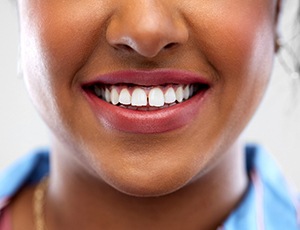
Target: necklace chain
column 39, row 204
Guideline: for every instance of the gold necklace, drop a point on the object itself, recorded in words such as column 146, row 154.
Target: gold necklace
column 39, row 203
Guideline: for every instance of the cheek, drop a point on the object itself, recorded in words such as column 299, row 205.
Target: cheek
column 63, row 32
column 245, row 49
column 237, row 39
column 237, row 35
column 57, row 37
column 243, row 62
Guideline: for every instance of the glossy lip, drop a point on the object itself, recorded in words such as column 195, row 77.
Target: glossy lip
column 147, row 122
column 149, row 78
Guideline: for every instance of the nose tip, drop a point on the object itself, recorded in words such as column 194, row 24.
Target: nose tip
column 145, row 44
column 146, row 31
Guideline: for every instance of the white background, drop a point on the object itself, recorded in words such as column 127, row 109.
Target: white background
column 276, row 125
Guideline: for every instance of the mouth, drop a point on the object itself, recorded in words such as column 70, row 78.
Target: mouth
column 146, row 102
column 145, row 98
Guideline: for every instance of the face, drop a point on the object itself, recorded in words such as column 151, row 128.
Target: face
column 77, row 53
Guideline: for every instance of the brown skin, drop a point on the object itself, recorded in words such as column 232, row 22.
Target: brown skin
column 190, row 178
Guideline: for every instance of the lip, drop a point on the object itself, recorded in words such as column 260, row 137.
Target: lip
column 149, row 78
column 147, row 122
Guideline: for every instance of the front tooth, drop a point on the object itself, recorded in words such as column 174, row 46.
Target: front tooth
column 156, row 97
column 138, row 97
column 186, row 92
column 114, row 96
column 107, row 95
column 179, row 94
column 125, row 97
column 170, row 96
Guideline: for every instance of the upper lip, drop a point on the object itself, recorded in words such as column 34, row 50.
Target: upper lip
column 149, row 78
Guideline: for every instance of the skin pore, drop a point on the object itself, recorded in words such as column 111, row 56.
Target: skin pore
column 187, row 178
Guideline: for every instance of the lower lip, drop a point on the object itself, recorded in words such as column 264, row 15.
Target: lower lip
column 146, row 122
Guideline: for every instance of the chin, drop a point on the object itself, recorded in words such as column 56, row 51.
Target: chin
column 148, row 185
column 138, row 190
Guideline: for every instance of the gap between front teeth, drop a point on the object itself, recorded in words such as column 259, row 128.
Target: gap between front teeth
column 141, row 96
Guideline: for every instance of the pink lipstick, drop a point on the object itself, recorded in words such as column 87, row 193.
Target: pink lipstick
column 146, row 102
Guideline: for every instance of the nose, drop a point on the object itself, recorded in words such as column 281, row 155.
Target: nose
column 146, row 27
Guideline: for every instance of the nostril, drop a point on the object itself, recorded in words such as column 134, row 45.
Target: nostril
column 123, row 47
column 170, row 45
column 128, row 48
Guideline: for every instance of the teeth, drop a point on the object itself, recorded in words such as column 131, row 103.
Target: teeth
column 156, row 97
column 98, row 91
column 186, row 92
column 114, row 96
column 125, row 97
column 144, row 96
column 191, row 90
column 179, row 94
column 139, row 97
column 170, row 96
column 107, row 95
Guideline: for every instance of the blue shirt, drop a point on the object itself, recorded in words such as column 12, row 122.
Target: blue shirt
column 269, row 203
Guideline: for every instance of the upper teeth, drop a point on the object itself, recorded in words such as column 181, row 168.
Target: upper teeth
column 144, row 96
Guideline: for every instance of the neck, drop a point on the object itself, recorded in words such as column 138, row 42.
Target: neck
column 77, row 201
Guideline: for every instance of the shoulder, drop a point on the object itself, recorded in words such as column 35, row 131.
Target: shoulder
column 270, row 202
column 26, row 171
column 280, row 202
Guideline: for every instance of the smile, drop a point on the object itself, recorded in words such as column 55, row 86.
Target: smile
column 146, row 101
column 146, row 98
